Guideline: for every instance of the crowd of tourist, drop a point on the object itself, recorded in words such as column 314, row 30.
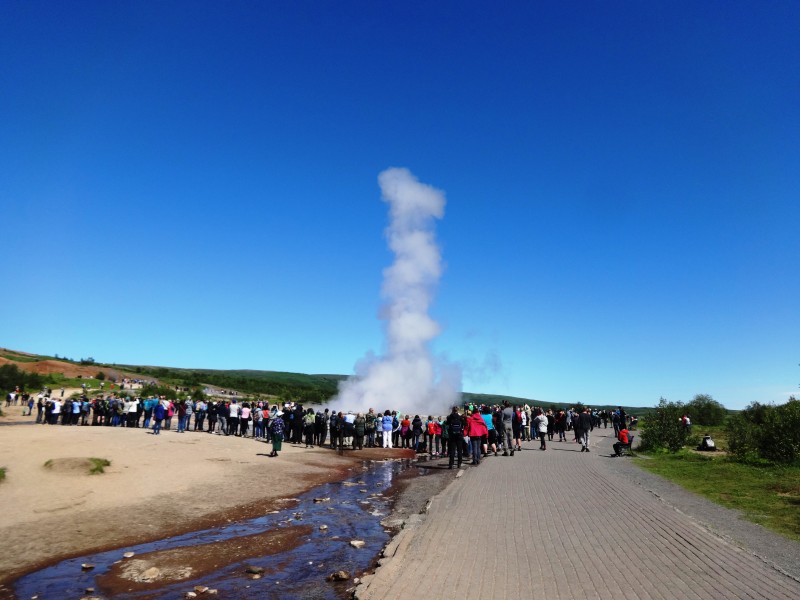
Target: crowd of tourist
column 469, row 431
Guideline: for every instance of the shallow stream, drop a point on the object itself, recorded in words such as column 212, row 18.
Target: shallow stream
column 350, row 509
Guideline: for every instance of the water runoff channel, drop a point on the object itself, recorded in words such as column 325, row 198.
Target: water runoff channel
column 328, row 518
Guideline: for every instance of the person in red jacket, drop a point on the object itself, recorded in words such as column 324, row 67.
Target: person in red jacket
column 478, row 434
column 623, row 441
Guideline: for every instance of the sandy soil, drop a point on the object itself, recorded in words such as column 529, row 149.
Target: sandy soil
column 156, row 486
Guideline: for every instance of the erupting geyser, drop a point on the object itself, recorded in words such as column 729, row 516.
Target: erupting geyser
column 407, row 377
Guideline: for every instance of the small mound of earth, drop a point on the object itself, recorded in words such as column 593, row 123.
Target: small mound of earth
column 70, row 465
column 157, row 569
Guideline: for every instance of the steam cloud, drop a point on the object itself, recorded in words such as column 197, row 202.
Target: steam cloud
column 407, row 378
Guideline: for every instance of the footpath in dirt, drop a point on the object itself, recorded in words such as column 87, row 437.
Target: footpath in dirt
column 571, row 525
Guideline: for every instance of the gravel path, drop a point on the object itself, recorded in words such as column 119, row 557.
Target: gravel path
column 570, row 525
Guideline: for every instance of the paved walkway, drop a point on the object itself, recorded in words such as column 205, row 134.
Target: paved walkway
column 569, row 525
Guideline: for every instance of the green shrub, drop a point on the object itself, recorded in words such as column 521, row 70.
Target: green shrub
column 662, row 428
column 767, row 432
column 98, row 465
column 704, row 410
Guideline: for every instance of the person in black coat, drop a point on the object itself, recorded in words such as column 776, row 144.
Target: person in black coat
column 584, row 425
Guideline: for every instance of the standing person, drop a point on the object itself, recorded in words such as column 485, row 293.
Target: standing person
column 132, row 414
column 321, row 426
column 211, row 411
column 170, row 406
column 159, row 412
column 309, row 422
column 491, row 431
column 540, row 422
column 370, row 424
column 187, row 423
column 478, row 432
column 181, row 416
column 455, row 437
column 233, row 418
column 584, row 425
column 55, row 411
column 258, row 421
column 223, row 410
column 416, row 432
column 506, row 421
column 277, row 428
column 386, row 427
column 244, row 419
column 516, row 427
column 334, row 427
column 359, row 428
column 201, row 410
column 551, row 424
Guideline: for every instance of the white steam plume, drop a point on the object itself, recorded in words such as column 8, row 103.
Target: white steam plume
column 407, row 378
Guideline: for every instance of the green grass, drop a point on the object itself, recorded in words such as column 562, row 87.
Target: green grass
column 99, row 465
column 2, row 473
column 766, row 494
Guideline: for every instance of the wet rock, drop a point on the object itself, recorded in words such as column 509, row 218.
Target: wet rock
column 318, row 500
column 200, row 589
column 350, row 484
column 358, row 543
column 87, row 566
column 88, row 591
column 323, row 528
column 189, row 595
column 253, row 570
column 129, row 555
column 211, row 592
column 256, row 576
column 338, row 576
column 150, row 574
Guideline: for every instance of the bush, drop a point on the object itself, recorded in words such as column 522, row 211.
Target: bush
column 100, row 376
column 766, row 431
column 662, row 428
column 704, row 410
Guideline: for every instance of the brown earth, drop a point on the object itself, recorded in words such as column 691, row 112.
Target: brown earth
column 155, row 487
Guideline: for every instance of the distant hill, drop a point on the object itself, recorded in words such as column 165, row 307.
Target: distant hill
column 315, row 389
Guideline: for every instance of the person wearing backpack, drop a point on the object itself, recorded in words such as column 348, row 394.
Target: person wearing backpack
column 455, row 437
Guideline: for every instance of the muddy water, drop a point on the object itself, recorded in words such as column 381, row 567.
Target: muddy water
column 351, row 510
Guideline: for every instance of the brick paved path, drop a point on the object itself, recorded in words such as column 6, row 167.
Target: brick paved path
column 563, row 524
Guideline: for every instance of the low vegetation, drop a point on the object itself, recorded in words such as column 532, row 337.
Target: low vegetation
column 767, row 494
column 98, row 465
column 756, row 469
column 2, row 473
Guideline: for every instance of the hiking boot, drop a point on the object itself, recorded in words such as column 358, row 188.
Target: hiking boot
column 512, row 453
column 506, row 453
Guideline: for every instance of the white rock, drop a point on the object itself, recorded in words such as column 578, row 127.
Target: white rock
column 358, row 543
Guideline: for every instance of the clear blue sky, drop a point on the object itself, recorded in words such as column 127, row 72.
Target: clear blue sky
column 194, row 184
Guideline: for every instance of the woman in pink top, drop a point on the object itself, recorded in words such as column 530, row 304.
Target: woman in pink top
column 244, row 419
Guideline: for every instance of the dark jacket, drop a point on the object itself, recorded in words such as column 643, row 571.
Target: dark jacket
column 584, row 422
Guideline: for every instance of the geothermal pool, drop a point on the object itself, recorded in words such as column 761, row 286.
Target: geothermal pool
column 316, row 530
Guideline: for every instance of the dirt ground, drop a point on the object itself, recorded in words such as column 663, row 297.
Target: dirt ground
column 155, row 486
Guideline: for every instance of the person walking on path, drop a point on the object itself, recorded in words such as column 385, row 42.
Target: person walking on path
column 584, row 426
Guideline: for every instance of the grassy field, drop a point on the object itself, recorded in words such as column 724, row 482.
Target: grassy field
column 765, row 493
